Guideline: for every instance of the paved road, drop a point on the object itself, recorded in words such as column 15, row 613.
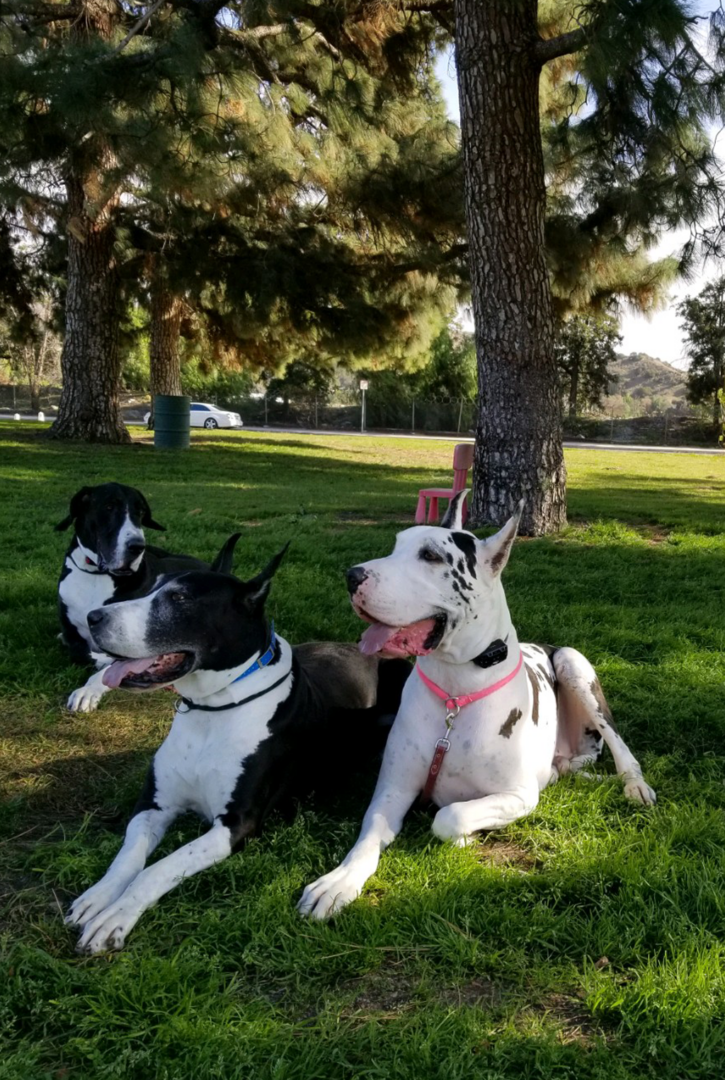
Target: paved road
column 711, row 451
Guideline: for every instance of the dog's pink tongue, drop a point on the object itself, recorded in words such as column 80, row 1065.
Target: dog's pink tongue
column 116, row 672
column 376, row 637
column 398, row 640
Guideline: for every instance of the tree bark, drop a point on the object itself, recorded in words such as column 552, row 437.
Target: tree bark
column 166, row 312
column 518, row 433
column 573, row 388
column 91, row 359
column 719, row 367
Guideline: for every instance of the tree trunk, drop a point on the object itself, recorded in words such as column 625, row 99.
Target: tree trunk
column 518, row 432
column 719, row 368
column 573, row 389
column 91, row 360
column 166, row 311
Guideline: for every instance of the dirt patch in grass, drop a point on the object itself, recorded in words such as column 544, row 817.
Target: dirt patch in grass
column 655, row 534
column 574, row 1020
column 390, row 992
column 505, row 853
column 22, row 899
column 352, row 518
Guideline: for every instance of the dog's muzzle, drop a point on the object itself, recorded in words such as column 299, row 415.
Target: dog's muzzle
column 133, row 551
column 355, row 577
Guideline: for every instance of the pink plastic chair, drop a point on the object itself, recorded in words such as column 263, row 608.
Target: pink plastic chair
column 462, row 462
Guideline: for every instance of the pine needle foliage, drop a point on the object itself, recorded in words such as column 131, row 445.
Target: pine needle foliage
column 703, row 321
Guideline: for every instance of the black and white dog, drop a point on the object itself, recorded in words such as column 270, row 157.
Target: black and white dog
column 484, row 724
column 109, row 560
column 258, row 722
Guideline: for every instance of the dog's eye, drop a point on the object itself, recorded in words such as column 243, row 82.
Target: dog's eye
column 429, row 555
column 177, row 597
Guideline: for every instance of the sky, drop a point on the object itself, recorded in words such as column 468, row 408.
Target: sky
column 658, row 335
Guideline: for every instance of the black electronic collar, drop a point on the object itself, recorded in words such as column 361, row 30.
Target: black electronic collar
column 496, row 653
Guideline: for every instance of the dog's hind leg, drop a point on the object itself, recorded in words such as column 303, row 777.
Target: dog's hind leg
column 584, row 714
column 144, row 832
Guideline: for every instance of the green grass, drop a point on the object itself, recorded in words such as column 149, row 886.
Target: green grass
column 586, row 942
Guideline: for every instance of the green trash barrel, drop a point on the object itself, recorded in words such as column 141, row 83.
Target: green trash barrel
column 172, row 421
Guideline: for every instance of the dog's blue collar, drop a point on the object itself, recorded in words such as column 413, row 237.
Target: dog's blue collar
column 265, row 658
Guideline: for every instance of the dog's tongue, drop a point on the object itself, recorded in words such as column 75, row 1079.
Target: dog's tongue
column 375, row 637
column 116, row 672
column 397, row 640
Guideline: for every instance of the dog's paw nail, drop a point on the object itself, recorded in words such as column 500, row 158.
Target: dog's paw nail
column 639, row 791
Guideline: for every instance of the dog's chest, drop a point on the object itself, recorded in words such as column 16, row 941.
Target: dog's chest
column 203, row 757
column 497, row 743
column 81, row 593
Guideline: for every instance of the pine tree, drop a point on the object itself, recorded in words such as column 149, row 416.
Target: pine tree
column 585, row 349
column 703, row 320
column 564, row 196
column 634, row 162
column 239, row 160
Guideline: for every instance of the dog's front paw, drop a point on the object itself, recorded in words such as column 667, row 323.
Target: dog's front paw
column 92, row 902
column 448, row 824
column 330, row 893
column 637, row 790
column 86, row 698
column 110, row 928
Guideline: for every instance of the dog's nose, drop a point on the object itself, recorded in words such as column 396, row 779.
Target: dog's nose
column 134, row 548
column 95, row 617
column 355, row 577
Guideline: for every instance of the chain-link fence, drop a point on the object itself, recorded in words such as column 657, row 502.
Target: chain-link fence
column 450, row 415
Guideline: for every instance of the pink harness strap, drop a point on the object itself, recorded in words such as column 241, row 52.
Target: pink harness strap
column 453, row 707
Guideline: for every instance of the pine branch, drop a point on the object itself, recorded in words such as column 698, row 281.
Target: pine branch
column 546, row 49
column 40, row 12
column 427, row 7
column 136, row 28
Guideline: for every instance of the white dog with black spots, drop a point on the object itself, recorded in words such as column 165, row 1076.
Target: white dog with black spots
column 536, row 712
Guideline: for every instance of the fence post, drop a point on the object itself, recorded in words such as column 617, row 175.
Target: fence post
column 316, row 424
column 667, row 424
column 611, row 428
column 460, row 416
column 412, row 420
column 265, row 409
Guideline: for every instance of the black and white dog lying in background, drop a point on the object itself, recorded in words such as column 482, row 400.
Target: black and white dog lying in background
column 484, row 724
column 258, row 722
column 109, row 560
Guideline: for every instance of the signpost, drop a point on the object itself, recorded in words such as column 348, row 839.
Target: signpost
column 363, row 388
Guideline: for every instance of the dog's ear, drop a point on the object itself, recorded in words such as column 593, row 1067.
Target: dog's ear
column 77, row 505
column 146, row 520
column 453, row 517
column 257, row 589
column 223, row 564
column 497, row 548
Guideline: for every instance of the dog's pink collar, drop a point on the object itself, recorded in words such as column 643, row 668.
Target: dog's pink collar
column 453, row 707
column 459, row 702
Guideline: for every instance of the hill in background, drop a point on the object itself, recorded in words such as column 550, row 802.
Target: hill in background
column 651, row 384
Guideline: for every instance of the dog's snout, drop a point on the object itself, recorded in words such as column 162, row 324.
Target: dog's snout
column 355, row 577
column 134, row 548
column 95, row 617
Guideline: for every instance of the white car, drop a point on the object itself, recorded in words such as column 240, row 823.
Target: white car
column 209, row 417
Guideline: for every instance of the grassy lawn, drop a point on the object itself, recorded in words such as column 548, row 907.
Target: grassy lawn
column 586, row 941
